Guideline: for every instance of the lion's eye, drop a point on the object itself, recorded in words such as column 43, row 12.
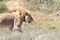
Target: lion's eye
column 20, row 13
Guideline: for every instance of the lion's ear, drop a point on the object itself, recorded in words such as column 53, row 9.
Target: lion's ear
column 22, row 11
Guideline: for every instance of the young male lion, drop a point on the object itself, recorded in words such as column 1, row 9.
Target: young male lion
column 19, row 15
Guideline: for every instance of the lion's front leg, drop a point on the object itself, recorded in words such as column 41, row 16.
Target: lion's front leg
column 16, row 22
column 0, row 21
column 16, row 25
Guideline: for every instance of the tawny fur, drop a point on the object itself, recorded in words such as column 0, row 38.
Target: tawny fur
column 20, row 15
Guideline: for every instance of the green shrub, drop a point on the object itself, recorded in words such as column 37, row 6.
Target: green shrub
column 2, row 0
column 3, row 7
column 26, row 0
column 56, row 5
column 33, row 8
column 49, row 10
column 52, row 28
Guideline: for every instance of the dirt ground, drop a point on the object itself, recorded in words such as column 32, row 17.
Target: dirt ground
column 42, row 34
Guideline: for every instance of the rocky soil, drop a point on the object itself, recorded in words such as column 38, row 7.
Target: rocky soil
column 42, row 34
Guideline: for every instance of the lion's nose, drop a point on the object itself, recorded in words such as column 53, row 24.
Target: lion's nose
column 29, row 22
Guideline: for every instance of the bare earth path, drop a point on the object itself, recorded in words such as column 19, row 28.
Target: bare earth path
column 42, row 34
